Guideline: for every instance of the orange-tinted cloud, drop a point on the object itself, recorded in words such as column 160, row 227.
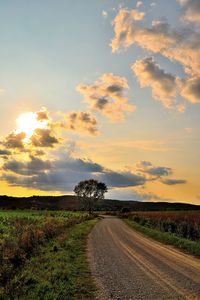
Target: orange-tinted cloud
column 163, row 84
column 128, row 31
column 43, row 137
column 83, row 122
column 178, row 45
column 191, row 89
column 107, row 96
column 14, row 140
column 191, row 10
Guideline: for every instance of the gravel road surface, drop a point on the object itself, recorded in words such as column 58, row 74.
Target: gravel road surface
column 127, row 265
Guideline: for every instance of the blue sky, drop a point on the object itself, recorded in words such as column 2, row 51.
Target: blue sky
column 50, row 47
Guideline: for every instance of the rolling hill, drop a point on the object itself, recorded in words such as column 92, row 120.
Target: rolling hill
column 70, row 202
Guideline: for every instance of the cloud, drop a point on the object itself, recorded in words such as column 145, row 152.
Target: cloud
column 139, row 3
column 29, row 168
column 104, row 14
column 173, row 181
column 143, row 165
column 39, row 152
column 124, row 27
column 187, row 53
column 191, row 89
column 181, row 45
column 175, row 44
column 107, row 96
column 163, row 84
column 22, row 181
column 83, row 122
column 157, row 173
column 78, row 165
column 14, row 140
column 43, row 115
column 43, row 138
column 191, row 10
column 47, row 133
column 5, row 152
column 128, row 31
column 123, row 179
column 148, row 168
column 178, row 45
column 62, row 172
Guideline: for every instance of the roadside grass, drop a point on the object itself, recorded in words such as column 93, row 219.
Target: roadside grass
column 192, row 247
column 60, row 269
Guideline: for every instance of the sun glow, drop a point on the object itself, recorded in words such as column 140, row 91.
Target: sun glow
column 28, row 123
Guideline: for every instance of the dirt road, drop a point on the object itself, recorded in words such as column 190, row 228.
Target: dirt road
column 128, row 265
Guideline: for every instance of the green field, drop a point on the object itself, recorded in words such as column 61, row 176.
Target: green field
column 42, row 255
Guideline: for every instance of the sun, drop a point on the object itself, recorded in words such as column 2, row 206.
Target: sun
column 28, row 122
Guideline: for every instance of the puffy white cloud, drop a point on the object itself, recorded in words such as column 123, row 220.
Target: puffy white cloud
column 107, row 96
column 163, row 84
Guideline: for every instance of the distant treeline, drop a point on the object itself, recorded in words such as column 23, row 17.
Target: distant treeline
column 69, row 202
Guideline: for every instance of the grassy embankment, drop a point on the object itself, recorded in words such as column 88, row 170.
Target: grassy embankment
column 44, row 257
column 178, row 229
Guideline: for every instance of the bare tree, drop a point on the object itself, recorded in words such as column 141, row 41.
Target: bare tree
column 89, row 192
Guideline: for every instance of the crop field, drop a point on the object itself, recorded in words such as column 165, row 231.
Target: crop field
column 28, row 239
column 178, row 228
column 185, row 224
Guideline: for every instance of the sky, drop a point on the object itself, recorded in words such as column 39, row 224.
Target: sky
column 101, row 89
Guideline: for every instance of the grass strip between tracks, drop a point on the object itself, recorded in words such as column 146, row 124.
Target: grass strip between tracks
column 60, row 270
column 189, row 246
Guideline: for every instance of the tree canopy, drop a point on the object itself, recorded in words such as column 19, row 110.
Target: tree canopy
column 89, row 192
